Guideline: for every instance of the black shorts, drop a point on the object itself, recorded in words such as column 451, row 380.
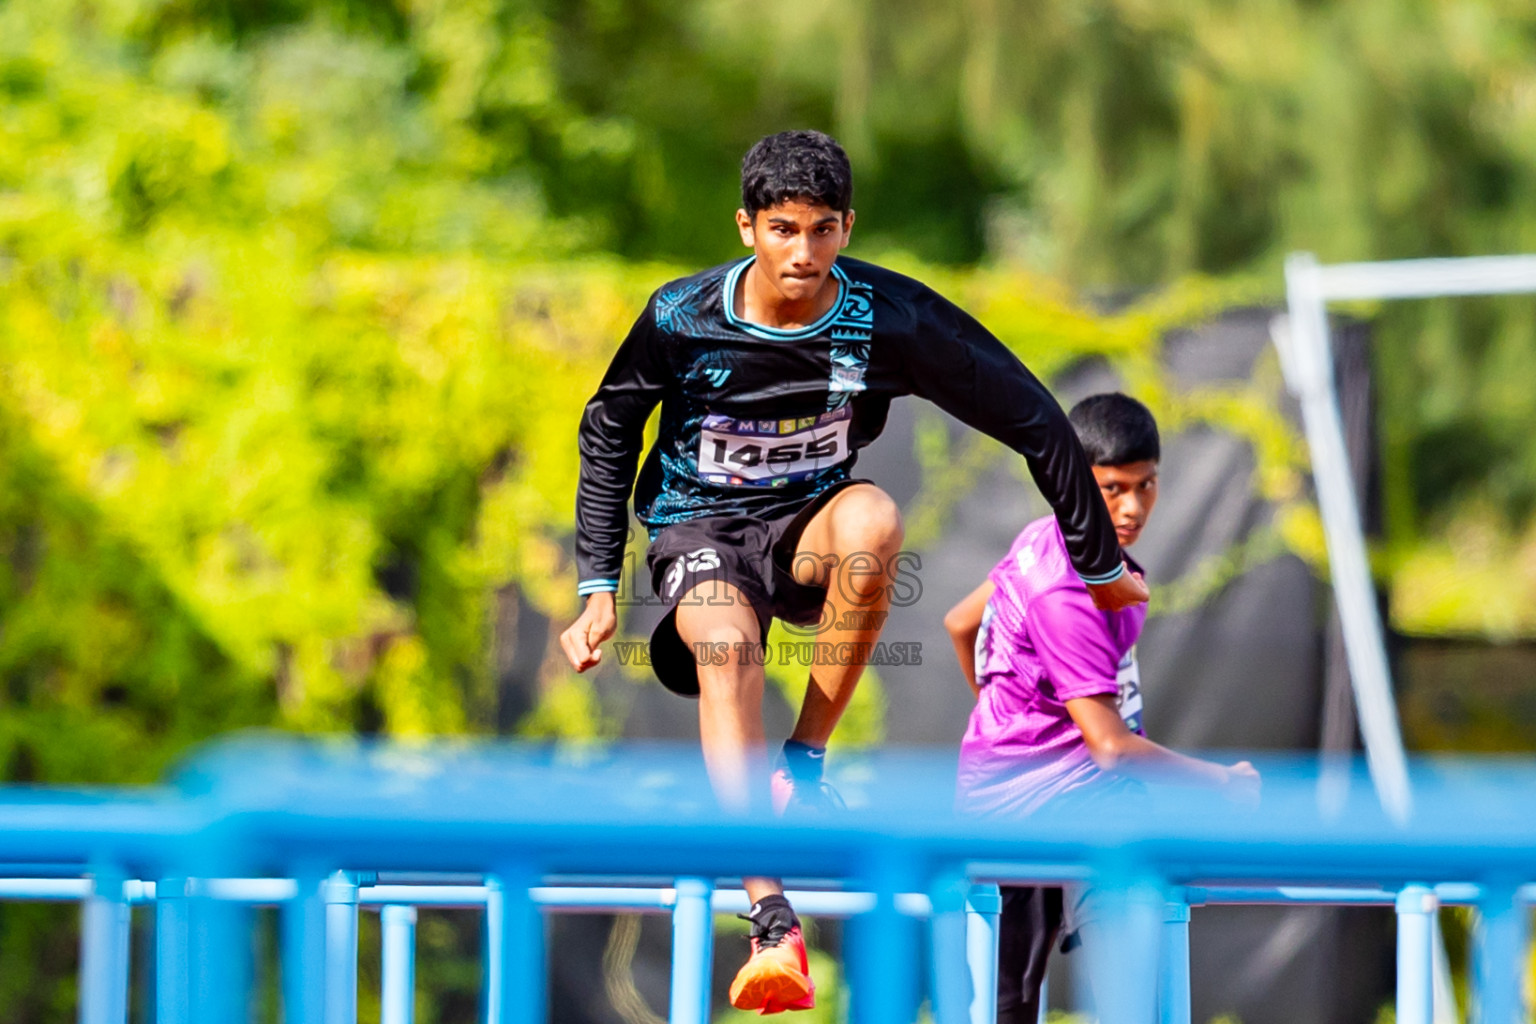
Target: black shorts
column 755, row 554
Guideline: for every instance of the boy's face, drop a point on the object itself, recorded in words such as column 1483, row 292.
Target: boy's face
column 796, row 243
column 1130, row 491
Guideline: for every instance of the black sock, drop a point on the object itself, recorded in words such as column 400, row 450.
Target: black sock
column 772, row 917
column 803, row 761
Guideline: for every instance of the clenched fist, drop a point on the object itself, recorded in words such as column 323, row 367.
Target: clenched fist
column 581, row 642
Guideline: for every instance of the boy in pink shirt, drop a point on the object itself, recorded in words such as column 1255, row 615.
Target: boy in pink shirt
column 1058, row 708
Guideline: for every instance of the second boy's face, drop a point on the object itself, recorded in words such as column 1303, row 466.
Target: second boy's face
column 796, row 244
column 1130, row 491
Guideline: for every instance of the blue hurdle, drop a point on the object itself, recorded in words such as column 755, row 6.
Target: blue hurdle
column 692, row 903
column 517, row 835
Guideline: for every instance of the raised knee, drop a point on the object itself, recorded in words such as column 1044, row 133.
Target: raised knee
column 724, row 634
column 867, row 519
column 707, row 626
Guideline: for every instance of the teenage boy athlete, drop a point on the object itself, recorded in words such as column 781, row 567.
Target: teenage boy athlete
column 772, row 372
column 1058, row 708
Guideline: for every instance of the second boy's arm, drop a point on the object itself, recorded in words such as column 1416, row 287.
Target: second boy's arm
column 1114, row 747
column 1080, row 657
column 963, row 623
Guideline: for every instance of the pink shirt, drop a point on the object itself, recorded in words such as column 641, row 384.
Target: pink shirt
column 1042, row 642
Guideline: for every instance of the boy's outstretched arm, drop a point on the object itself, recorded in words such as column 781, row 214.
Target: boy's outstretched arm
column 963, row 622
column 610, row 438
column 1114, row 747
column 961, row 367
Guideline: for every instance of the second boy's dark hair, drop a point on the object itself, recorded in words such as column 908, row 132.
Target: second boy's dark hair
column 1115, row 430
column 796, row 165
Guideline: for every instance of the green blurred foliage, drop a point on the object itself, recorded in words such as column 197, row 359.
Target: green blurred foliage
column 301, row 299
column 295, row 331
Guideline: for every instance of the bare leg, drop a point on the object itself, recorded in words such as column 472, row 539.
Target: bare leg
column 730, row 703
column 848, row 546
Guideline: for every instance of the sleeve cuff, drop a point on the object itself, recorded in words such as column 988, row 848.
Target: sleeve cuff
column 1109, row 688
column 586, row 587
column 1109, row 577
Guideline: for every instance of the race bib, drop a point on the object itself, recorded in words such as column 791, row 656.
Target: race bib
column 771, row 453
column 1128, row 675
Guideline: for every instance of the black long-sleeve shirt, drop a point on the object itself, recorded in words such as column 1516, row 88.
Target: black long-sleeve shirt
column 754, row 418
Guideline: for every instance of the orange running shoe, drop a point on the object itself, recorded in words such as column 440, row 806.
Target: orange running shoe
column 777, row 977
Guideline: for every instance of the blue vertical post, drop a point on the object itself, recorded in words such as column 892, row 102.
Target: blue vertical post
column 173, row 974
column 219, row 956
column 514, row 953
column 303, row 954
column 397, row 927
column 1122, row 948
column 1173, row 991
column 1416, row 908
column 495, row 942
column 983, row 906
column 882, row 953
column 693, row 951
column 1501, row 938
column 104, row 949
column 949, row 951
column 340, row 895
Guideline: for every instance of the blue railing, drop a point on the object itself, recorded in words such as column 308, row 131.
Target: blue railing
column 323, row 831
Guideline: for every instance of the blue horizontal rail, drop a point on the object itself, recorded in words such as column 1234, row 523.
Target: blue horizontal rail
column 598, row 899
column 398, row 904
column 516, row 833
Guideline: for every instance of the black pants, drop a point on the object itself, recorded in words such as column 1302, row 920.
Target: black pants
column 1027, row 930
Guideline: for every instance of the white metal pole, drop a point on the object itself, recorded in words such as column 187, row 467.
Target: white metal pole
column 1307, row 359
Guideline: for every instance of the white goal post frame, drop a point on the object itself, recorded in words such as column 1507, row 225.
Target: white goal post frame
column 1302, row 339
column 1306, row 359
